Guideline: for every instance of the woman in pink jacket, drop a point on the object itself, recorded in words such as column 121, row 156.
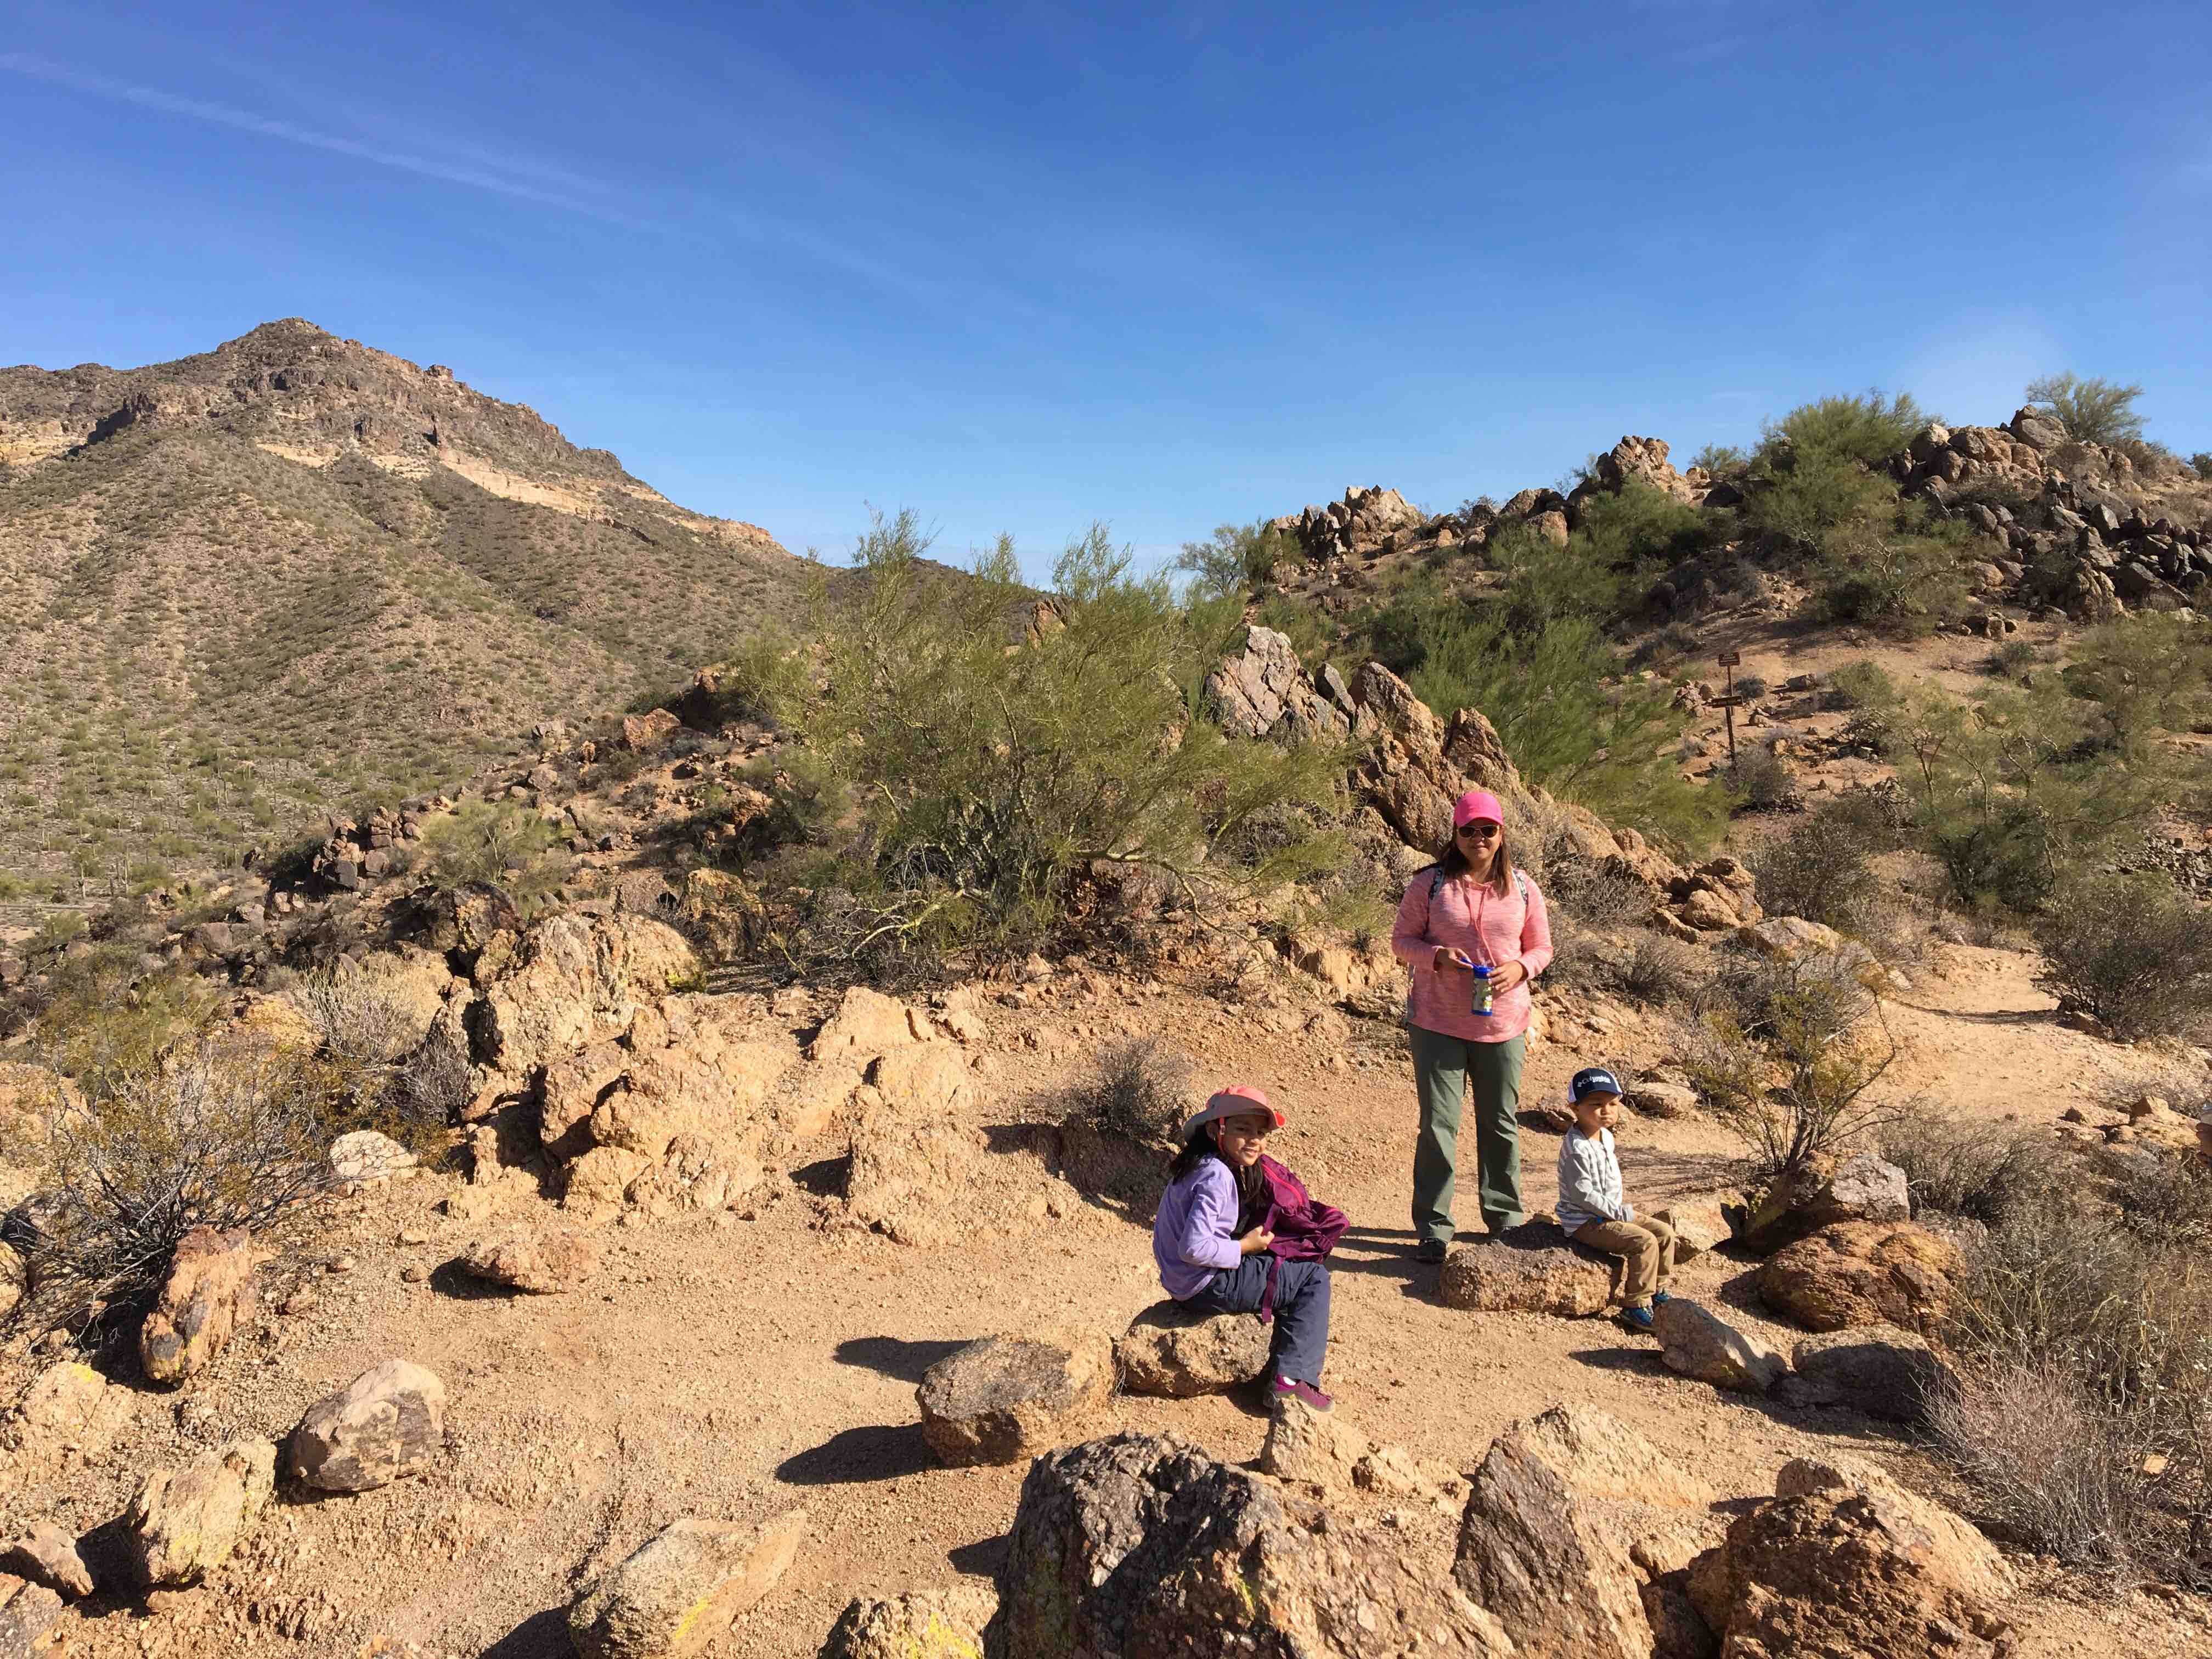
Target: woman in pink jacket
column 1470, row 910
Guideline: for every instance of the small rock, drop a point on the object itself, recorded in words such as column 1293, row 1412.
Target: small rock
column 1170, row 1351
column 947, row 1623
column 683, row 1589
column 28, row 1612
column 1700, row 1225
column 48, row 1555
column 183, row 1523
column 366, row 1155
column 210, row 1292
column 389, row 1421
column 1305, row 1444
column 538, row 1261
column 1698, row 1343
column 301, row 1301
column 1655, row 1099
column 414, row 1273
column 1879, row 1370
column 1006, row 1398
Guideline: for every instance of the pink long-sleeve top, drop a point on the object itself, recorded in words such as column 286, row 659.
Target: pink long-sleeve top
column 1491, row 927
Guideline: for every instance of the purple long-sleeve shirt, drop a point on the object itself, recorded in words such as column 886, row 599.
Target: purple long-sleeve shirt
column 1195, row 1234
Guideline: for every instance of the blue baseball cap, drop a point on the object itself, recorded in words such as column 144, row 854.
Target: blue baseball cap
column 1593, row 1080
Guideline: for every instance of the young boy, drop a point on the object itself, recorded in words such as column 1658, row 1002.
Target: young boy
column 1591, row 1206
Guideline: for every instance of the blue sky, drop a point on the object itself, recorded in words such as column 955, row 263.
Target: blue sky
column 1023, row 266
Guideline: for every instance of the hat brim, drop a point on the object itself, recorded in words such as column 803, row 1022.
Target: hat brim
column 1232, row 1108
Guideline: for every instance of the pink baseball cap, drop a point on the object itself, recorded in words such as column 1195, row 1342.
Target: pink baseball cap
column 1477, row 804
column 1237, row 1100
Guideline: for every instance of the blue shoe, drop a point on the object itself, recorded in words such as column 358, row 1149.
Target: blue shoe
column 1660, row 1298
column 1637, row 1320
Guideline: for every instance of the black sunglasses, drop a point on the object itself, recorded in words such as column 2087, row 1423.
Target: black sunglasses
column 1477, row 830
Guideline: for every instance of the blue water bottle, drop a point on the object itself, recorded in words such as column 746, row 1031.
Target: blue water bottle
column 1482, row 992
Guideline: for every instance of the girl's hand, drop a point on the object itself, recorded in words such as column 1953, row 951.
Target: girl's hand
column 1507, row 975
column 1449, row 957
column 1256, row 1241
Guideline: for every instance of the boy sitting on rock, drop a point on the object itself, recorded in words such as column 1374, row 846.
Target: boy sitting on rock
column 1592, row 1208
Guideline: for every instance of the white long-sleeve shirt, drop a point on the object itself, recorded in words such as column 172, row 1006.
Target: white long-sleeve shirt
column 1589, row 1180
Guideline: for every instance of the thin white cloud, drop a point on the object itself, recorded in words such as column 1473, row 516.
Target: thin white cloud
column 225, row 115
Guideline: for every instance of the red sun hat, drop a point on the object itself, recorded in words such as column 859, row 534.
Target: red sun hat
column 1237, row 1100
column 1476, row 805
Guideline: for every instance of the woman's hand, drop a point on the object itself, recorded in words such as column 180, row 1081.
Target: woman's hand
column 1256, row 1241
column 1507, row 975
column 1449, row 956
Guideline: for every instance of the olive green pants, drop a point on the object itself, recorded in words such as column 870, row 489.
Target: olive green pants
column 1444, row 1068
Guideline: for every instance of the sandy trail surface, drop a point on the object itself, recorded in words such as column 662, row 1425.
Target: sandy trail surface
column 732, row 1367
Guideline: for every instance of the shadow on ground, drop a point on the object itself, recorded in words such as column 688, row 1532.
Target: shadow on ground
column 876, row 1452
column 892, row 1357
column 541, row 1636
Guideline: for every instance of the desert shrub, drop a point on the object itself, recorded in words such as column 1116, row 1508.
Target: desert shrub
column 2052, row 1464
column 1751, row 685
column 1984, row 1171
column 101, row 1014
column 1140, row 1090
column 1892, row 572
column 1591, row 893
column 1820, row 867
column 1661, row 972
column 1785, row 1053
column 2149, row 673
column 1720, row 458
column 2131, row 951
column 427, row 1092
column 500, row 841
column 1762, row 779
column 1237, row 558
column 1669, row 645
column 2010, row 660
column 222, row 1134
column 2093, row 411
column 364, row 1030
column 1868, row 429
column 2201, row 463
column 988, row 777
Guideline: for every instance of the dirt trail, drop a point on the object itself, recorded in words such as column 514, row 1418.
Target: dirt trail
column 735, row 1369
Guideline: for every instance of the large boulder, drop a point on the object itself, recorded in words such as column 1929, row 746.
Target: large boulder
column 682, row 1589
column 947, row 1623
column 208, row 1294
column 1531, row 1268
column 1855, row 1568
column 1261, row 690
column 1878, row 1370
column 1171, row 1351
column 388, row 1422
column 28, row 1612
column 1696, row 1342
column 183, row 1523
column 575, row 979
column 1005, row 1398
column 1577, row 1531
column 1142, row 1544
column 1863, row 1273
column 538, row 1261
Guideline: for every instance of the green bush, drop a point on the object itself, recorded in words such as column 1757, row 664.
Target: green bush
column 1236, row 558
column 2131, row 951
column 2201, row 463
column 1868, row 429
column 988, row 775
column 1820, row 868
column 2093, row 411
column 1890, row 571
column 503, row 842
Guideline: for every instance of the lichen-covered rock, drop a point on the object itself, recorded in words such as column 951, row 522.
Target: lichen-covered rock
column 388, row 1422
column 208, row 1294
column 1531, row 1268
column 1879, row 1370
column 183, row 1523
column 1863, row 1273
column 1171, row 1351
column 70, row 1412
column 945, row 1623
column 682, row 1589
column 538, row 1260
column 1142, row 1543
column 1005, row 1398
column 1696, row 1342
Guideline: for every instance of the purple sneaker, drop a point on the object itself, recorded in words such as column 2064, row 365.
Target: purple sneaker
column 1305, row 1394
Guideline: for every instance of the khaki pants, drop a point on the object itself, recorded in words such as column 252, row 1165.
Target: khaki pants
column 1648, row 1247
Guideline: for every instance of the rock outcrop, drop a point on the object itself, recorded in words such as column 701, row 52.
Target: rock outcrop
column 1263, row 691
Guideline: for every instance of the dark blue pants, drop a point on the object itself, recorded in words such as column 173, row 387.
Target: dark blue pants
column 1301, row 1309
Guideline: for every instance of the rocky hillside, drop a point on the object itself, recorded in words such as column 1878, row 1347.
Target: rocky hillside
column 296, row 571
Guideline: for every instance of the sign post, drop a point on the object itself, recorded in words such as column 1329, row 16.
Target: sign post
column 1728, row 661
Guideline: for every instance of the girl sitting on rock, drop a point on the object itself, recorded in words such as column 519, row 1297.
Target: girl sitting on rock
column 1237, row 1232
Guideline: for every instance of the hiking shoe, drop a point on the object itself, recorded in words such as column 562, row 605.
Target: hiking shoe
column 1661, row 1297
column 1637, row 1320
column 1431, row 1250
column 1305, row 1394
